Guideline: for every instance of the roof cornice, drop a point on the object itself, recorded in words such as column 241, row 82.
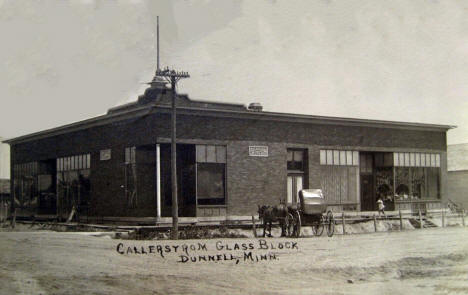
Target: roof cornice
column 253, row 115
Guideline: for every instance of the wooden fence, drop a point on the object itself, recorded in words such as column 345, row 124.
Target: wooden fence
column 4, row 211
column 420, row 219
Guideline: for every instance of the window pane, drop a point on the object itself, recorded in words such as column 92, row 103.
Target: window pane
column 349, row 158
column 437, row 160
column 433, row 183
column 298, row 181
column 355, row 158
column 401, row 159
column 290, row 189
column 88, row 161
column 433, row 161
column 133, row 155
column 336, row 157
column 290, row 156
column 412, row 159
column 342, row 157
column 210, row 183
column 323, row 157
column 211, row 153
column 423, row 160
column 407, row 159
column 417, row 163
column 298, row 156
column 220, row 154
column 201, row 153
column 329, row 157
column 127, row 155
column 428, row 160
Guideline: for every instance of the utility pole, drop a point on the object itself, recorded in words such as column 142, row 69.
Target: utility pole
column 173, row 77
column 157, row 43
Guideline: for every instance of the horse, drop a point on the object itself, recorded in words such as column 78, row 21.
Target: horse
column 270, row 214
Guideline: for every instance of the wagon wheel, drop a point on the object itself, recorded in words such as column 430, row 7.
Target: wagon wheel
column 296, row 224
column 317, row 228
column 330, row 224
column 289, row 224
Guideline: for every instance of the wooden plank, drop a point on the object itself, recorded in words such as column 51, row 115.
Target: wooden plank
column 254, row 228
column 401, row 220
column 343, row 220
column 443, row 217
column 463, row 217
column 420, row 219
column 375, row 223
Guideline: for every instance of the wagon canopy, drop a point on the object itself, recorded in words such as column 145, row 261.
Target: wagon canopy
column 312, row 201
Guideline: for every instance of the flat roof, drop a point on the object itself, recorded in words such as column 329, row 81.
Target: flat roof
column 216, row 109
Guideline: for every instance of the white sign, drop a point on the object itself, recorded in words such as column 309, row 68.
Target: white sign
column 105, row 155
column 258, row 151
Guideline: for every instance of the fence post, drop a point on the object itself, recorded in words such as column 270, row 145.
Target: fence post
column 344, row 223
column 443, row 216
column 254, row 228
column 401, row 220
column 375, row 223
column 13, row 219
column 463, row 217
column 420, row 219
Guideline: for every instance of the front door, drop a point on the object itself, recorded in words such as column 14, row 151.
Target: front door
column 367, row 193
column 295, row 184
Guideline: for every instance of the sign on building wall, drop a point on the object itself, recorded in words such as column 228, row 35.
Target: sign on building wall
column 258, row 151
column 105, row 155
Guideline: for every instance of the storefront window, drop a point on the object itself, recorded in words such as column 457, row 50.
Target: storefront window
column 211, row 174
column 210, row 184
column 73, row 183
column 417, row 176
column 25, row 187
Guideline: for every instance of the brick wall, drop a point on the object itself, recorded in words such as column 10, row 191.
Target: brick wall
column 250, row 180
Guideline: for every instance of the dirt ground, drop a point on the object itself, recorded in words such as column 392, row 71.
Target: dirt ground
column 428, row 261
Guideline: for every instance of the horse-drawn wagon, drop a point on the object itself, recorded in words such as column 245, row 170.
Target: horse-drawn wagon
column 310, row 210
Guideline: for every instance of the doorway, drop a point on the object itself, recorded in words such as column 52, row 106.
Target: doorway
column 186, row 180
column 295, row 184
column 367, row 181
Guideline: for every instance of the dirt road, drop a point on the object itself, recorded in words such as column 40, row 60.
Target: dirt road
column 429, row 261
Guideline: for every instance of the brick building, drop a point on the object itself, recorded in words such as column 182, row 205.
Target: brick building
column 230, row 159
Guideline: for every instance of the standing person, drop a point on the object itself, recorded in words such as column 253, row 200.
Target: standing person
column 381, row 206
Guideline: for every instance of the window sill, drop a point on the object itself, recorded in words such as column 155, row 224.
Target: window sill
column 418, row 201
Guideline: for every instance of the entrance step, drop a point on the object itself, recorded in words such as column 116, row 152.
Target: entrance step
column 426, row 223
column 414, row 222
column 429, row 224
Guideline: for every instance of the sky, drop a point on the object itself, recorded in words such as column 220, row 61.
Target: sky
column 66, row 61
